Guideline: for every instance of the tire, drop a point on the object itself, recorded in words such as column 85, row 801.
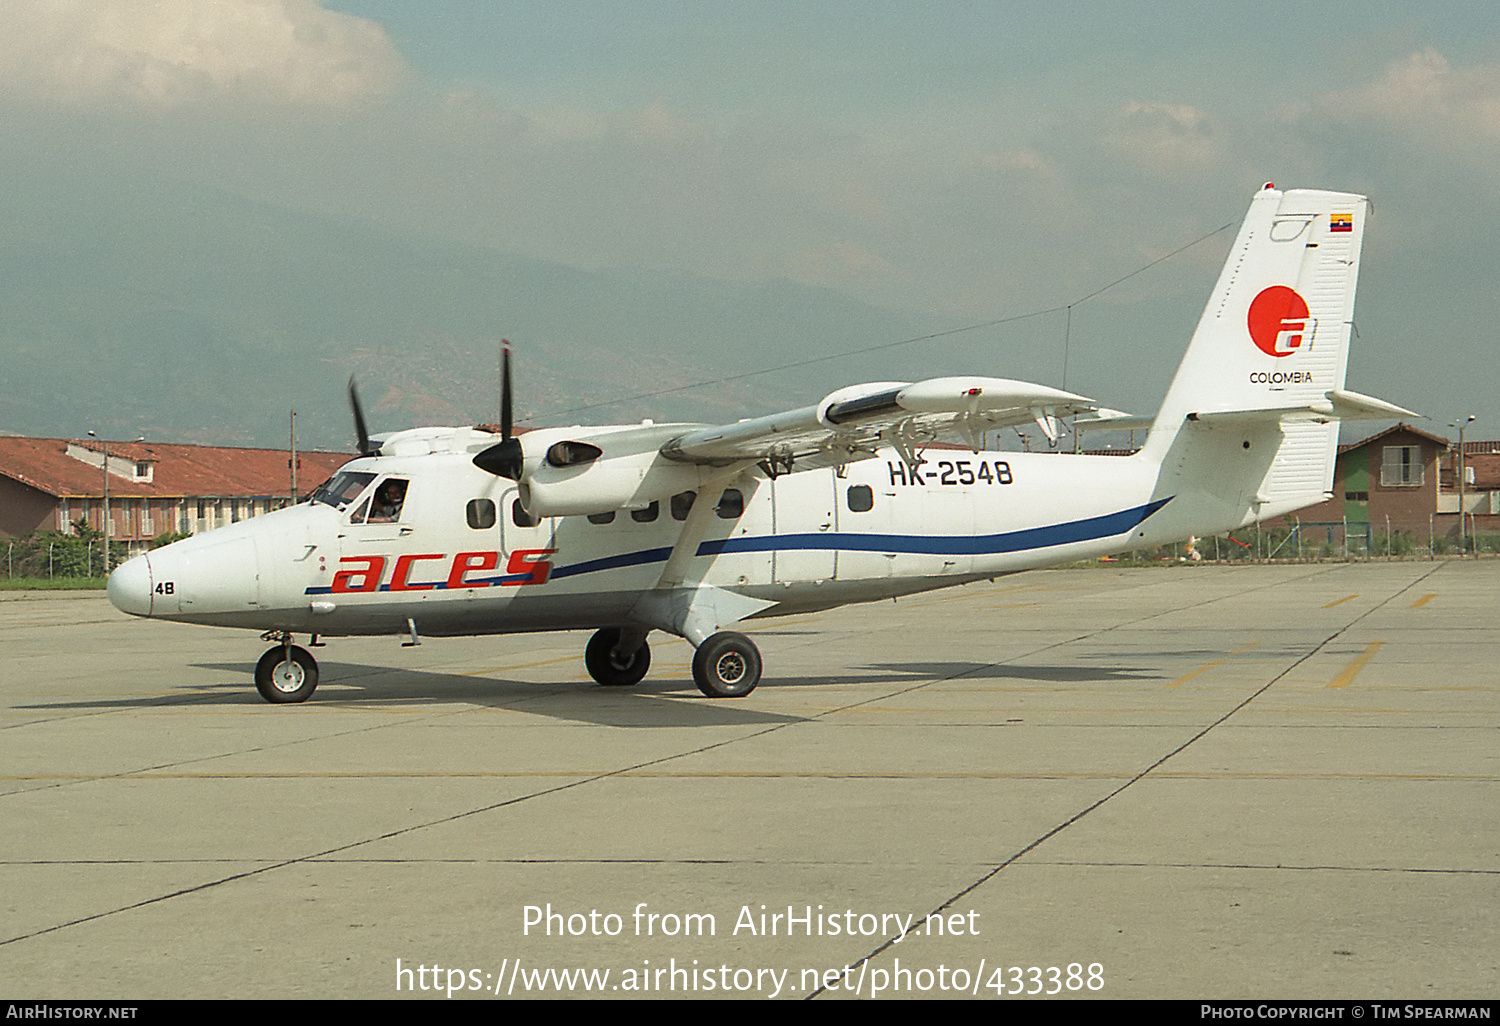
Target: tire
column 281, row 680
column 726, row 665
column 603, row 667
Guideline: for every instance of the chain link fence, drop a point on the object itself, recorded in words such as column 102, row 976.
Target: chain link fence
column 54, row 556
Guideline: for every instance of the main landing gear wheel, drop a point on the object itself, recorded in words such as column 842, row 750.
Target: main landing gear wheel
column 605, row 668
column 286, row 673
column 726, row 665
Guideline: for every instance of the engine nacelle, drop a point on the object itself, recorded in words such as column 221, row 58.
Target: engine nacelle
column 569, row 473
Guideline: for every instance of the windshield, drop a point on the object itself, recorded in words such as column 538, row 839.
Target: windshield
column 342, row 488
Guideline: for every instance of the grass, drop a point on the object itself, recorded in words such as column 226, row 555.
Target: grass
column 52, row 583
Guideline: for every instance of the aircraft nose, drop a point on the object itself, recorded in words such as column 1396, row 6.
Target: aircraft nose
column 129, row 586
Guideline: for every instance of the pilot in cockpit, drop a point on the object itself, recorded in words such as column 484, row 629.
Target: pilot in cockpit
column 386, row 507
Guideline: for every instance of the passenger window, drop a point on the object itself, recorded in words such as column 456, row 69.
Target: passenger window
column 861, row 499
column 520, row 517
column 602, row 518
column 731, row 504
column 682, row 505
column 481, row 514
column 645, row 516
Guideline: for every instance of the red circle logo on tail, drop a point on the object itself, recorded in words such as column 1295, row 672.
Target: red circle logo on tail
column 1279, row 321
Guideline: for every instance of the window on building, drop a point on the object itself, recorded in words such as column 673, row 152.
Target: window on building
column 481, row 514
column 1401, row 466
column 1357, row 496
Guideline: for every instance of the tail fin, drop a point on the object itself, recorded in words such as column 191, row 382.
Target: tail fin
column 1275, row 333
column 1250, row 422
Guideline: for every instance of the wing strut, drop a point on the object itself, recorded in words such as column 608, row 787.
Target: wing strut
column 681, row 603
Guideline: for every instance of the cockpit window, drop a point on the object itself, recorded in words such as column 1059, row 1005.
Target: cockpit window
column 342, row 488
column 385, row 504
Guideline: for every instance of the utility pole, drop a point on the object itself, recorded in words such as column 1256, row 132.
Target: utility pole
column 293, row 462
column 1459, row 464
column 104, row 443
column 105, row 524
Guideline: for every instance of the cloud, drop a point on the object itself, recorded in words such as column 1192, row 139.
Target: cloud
column 166, row 53
column 1425, row 96
column 1166, row 138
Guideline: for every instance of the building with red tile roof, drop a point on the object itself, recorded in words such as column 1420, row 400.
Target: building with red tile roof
column 46, row 484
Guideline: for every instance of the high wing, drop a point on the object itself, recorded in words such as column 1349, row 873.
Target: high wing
column 581, row 470
column 852, row 423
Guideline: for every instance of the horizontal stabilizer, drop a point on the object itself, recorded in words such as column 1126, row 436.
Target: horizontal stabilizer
column 1337, row 404
column 1353, row 406
column 1112, row 420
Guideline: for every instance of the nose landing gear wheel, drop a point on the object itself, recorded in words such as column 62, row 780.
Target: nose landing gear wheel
column 281, row 679
column 726, row 665
column 606, row 669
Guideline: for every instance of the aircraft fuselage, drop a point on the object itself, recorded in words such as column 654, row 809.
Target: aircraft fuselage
column 463, row 559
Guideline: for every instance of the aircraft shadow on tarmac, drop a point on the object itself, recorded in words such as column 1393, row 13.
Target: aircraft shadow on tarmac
column 651, row 703
column 645, row 705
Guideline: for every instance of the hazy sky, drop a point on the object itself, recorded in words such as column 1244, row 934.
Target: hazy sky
column 964, row 161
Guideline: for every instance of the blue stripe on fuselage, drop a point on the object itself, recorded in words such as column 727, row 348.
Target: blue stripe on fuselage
column 1093, row 528
column 1090, row 529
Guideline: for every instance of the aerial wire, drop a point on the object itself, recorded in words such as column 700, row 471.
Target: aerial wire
column 894, row 345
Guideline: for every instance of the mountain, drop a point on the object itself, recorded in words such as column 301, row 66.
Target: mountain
column 189, row 314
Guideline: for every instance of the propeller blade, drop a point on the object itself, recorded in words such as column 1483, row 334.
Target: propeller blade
column 505, row 400
column 505, row 457
column 362, row 434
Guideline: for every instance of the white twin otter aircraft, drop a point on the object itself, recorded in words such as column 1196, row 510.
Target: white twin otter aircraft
column 692, row 528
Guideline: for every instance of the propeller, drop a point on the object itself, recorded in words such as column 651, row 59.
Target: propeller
column 361, row 432
column 504, row 458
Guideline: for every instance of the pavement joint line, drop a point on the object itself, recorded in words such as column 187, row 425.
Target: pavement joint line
column 688, row 861
column 1059, row 828
column 811, row 775
column 1271, row 866
column 53, row 623
column 496, row 861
